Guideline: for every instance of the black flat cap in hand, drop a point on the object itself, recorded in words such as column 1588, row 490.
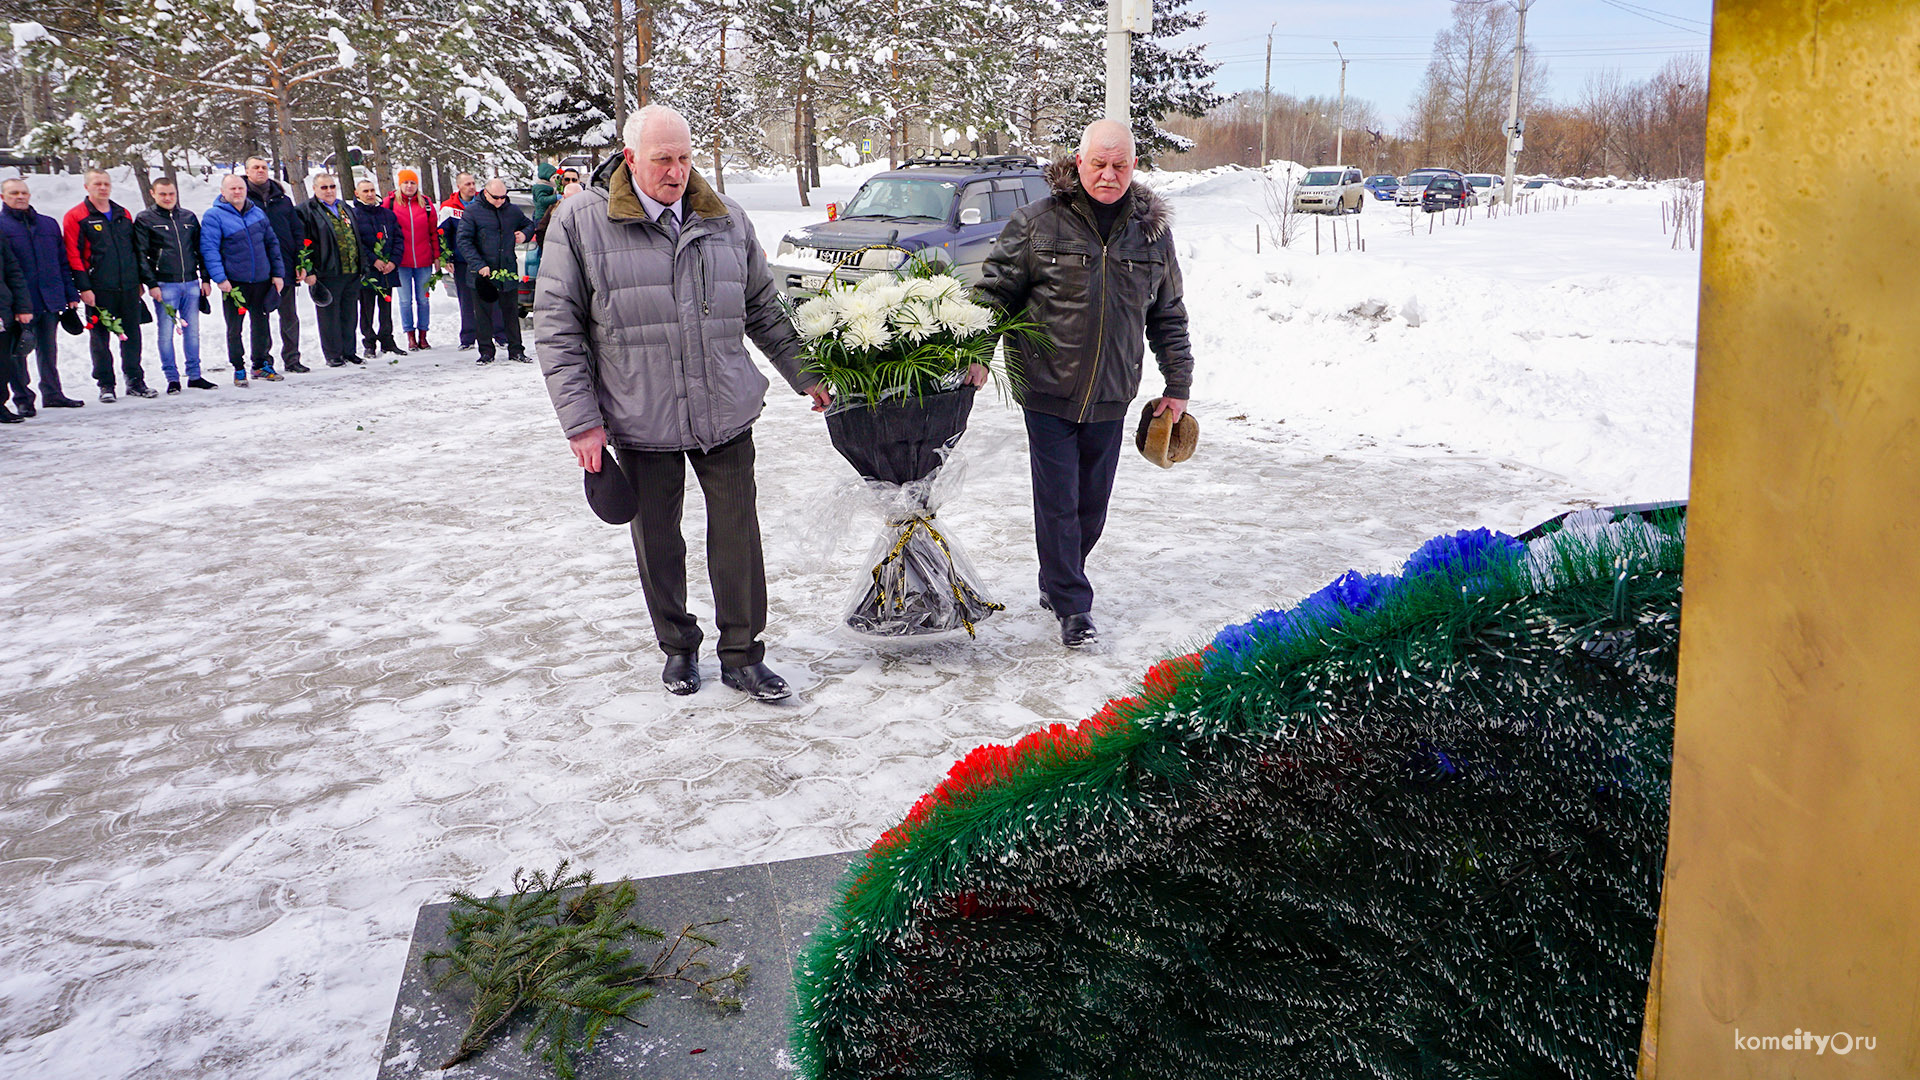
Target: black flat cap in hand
column 609, row 492
column 70, row 322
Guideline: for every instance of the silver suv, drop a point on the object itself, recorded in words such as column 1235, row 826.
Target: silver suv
column 1331, row 189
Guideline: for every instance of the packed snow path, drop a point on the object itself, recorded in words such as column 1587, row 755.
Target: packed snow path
column 283, row 664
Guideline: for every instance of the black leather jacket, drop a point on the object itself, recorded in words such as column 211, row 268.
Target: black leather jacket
column 317, row 225
column 169, row 244
column 1096, row 300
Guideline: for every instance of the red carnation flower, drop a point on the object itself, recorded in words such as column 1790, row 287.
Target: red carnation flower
column 307, row 242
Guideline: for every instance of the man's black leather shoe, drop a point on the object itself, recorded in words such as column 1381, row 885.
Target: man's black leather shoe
column 757, row 681
column 64, row 403
column 682, row 673
column 1077, row 630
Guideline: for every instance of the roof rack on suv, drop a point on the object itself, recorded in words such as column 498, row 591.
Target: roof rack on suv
column 949, row 161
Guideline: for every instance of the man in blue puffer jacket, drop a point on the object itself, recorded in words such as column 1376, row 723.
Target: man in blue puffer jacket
column 244, row 259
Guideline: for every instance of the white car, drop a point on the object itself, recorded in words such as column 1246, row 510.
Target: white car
column 1487, row 187
column 1331, row 189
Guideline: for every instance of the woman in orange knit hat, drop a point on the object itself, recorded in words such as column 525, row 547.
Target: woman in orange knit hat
column 419, row 252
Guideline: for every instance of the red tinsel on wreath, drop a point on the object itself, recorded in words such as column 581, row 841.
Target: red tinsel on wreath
column 995, row 763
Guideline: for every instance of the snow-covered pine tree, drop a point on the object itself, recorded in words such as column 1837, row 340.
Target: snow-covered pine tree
column 571, row 100
column 1032, row 57
column 791, row 43
column 700, row 67
column 1165, row 80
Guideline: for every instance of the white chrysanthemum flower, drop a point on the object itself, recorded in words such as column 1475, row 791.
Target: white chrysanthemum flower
column 915, row 321
column 921, row 289
column 817, row 317
column 963, row 317
column 867, row 332
column 874, row 282
column 947, row 287
column 853, row 304
column 888, row 296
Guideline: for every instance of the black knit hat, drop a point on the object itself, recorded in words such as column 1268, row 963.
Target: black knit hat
column 609, row 492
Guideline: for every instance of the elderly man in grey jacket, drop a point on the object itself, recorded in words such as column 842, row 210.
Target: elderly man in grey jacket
column 647, row 285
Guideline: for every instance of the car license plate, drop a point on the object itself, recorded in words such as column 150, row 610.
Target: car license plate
column 813, row 282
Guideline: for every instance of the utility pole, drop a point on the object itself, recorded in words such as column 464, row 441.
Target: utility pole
column 1119, row 64
column 1125, row 18
column 1340, row 136
column 1514, row 139
column 1266, row 97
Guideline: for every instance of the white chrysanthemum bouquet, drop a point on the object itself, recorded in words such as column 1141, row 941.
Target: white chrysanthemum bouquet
column 914, row 331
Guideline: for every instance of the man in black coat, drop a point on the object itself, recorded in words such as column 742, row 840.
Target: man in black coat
column 16, row 312
column 290, row 230
column 168, row 236
column 337, row 265
column 107, row 272
column 489, row 229
column 379, row 230
column 1093, row 265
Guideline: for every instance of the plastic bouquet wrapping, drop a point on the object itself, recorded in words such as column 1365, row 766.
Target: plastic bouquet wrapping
column 896, row 350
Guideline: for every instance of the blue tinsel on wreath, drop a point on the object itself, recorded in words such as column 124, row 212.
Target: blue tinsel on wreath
column 1457, row 553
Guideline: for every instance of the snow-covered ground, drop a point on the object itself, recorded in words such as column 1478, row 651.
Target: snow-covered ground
column 280, row 665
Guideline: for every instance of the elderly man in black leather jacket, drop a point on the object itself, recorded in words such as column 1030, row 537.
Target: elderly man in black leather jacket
column 1094, row 266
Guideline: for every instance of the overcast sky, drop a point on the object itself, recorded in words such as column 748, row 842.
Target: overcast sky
column 1388, row 43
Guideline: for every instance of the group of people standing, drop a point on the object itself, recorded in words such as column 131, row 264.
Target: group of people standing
column 106, row 272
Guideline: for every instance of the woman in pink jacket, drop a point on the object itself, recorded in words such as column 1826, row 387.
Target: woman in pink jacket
column 419, row 254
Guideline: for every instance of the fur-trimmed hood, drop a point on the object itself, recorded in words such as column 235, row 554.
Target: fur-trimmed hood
column 1150, row 210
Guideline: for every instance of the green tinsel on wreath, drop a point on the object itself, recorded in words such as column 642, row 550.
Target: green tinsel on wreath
column 1424, row 843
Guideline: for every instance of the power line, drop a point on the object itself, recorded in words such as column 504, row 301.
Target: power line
column 1311, row 58
column 1663, row 14
column 1631, row 10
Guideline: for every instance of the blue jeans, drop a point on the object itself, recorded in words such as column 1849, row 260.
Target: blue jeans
column 412, row 292
column 185, row 298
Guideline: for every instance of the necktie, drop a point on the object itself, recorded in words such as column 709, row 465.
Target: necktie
column 671, row 222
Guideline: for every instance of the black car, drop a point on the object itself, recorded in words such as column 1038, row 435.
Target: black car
column 1445, row 193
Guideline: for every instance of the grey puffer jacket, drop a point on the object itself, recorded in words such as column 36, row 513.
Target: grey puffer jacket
column 643, row 335
column 1096, row 299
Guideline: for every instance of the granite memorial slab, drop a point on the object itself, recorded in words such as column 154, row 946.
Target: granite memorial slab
column 771, row 909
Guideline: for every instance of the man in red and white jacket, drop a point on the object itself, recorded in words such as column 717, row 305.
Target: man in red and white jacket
column 110, row 275
column 419, row 253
